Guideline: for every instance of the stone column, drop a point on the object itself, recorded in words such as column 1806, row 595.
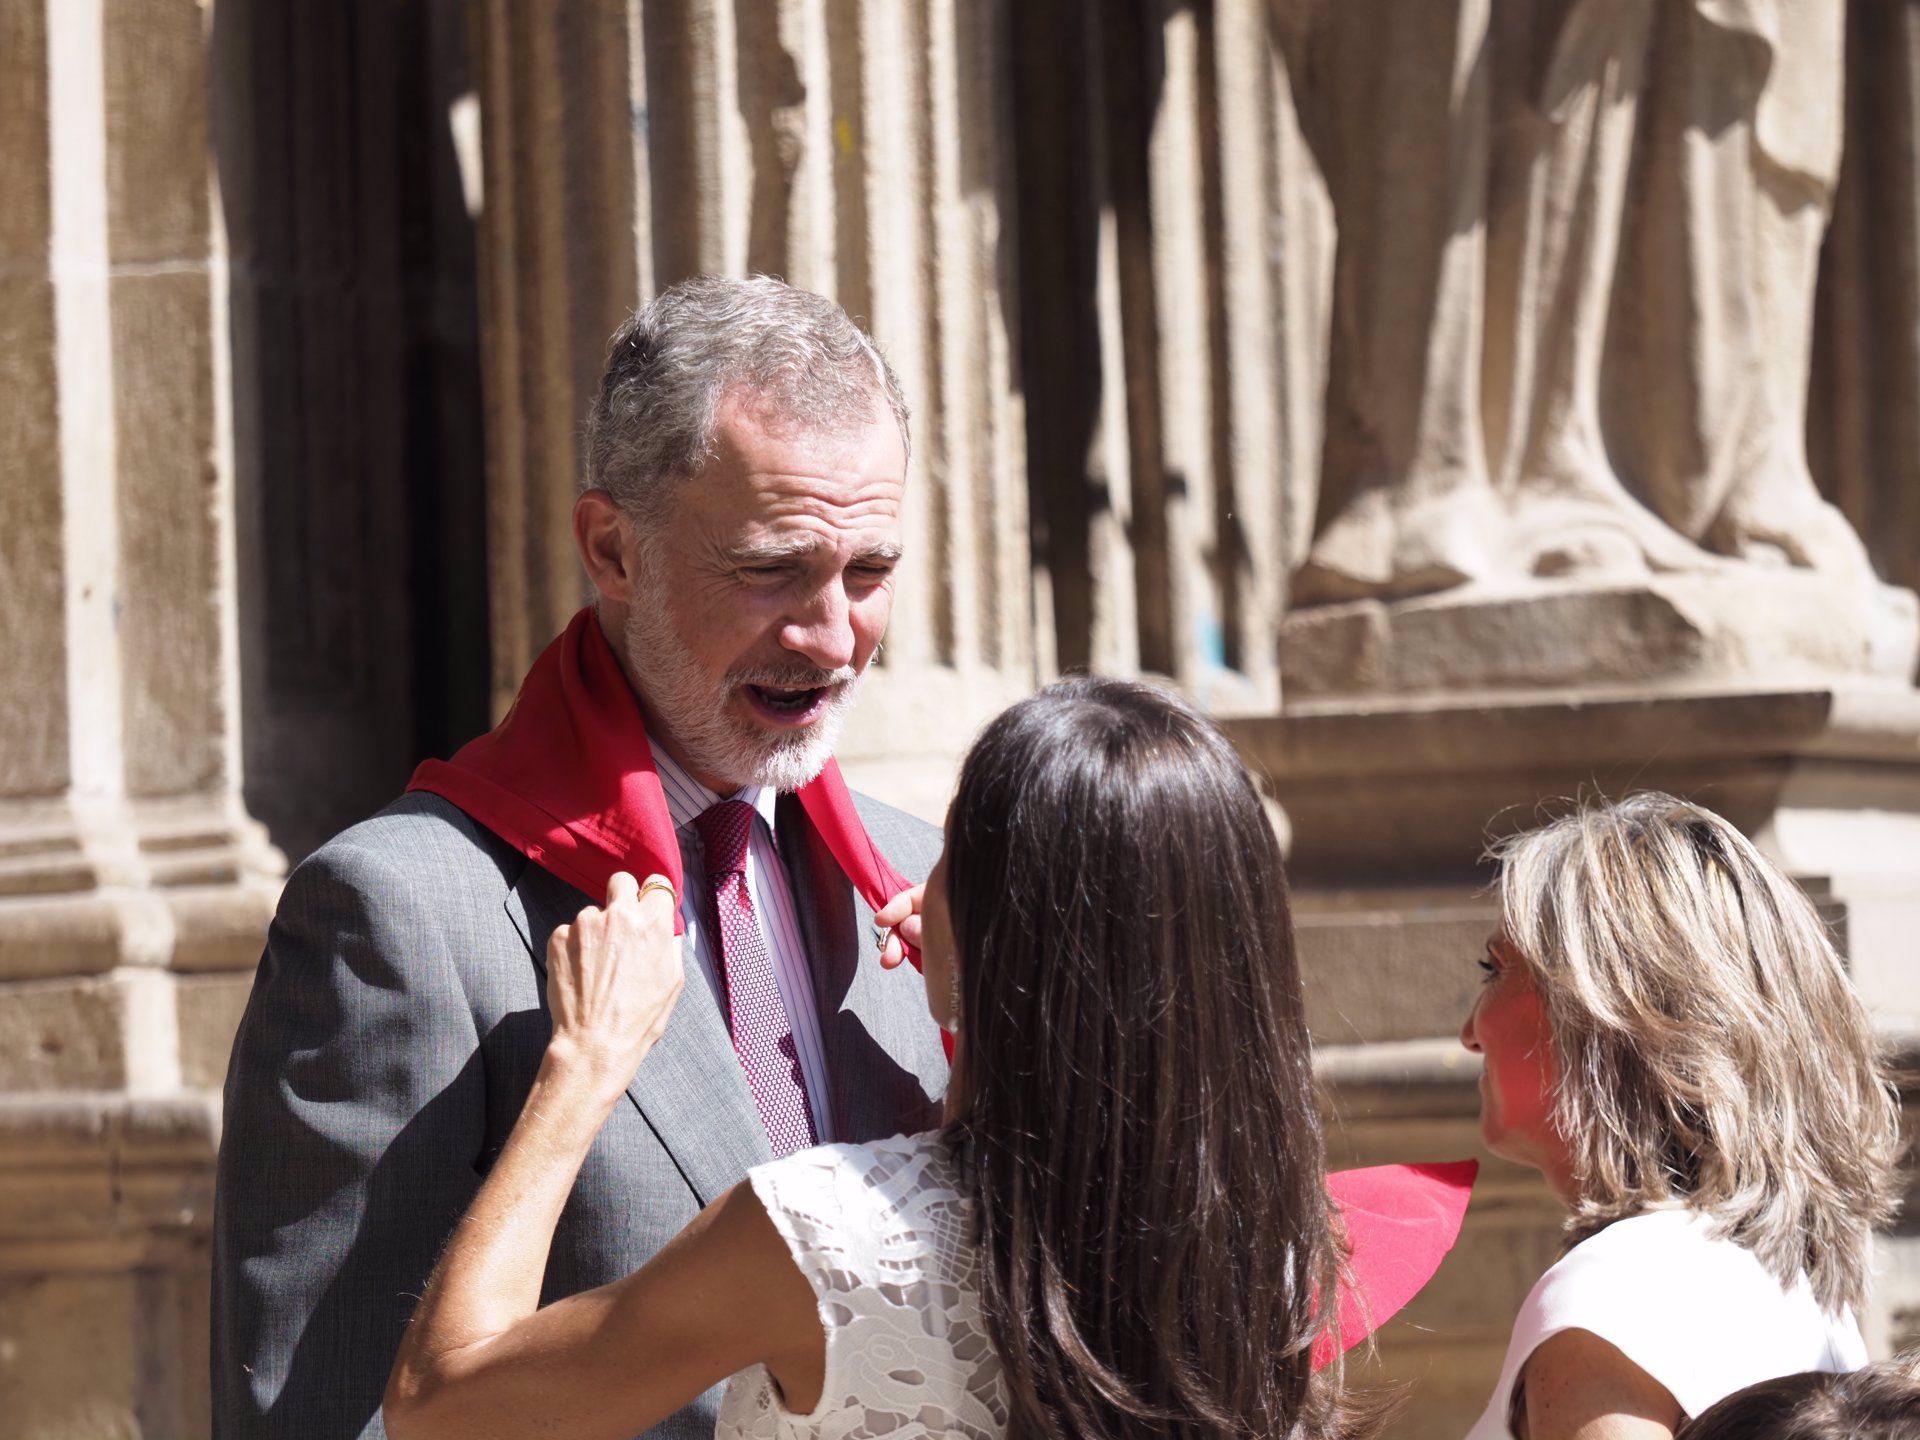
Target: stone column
column 557, row 273
column 1173, row 317
column 1864, row 419
column 134, row 889
column 855, row 147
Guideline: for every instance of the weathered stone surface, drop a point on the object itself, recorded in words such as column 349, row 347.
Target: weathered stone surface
column 176, row 687
column 221, row 928
column 63, row 1035
column 86, row 933
column 104, row 1208
column 1384, row 965
column 1409, row 791
column 25, row 138
column 158, row 101
column 1864, row 409
column 1677, row 630
column 69, row 1356
column 33, row 713
column 209, row 1007
column 96, row 1182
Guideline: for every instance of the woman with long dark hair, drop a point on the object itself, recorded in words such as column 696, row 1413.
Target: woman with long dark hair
column 1121, row 1229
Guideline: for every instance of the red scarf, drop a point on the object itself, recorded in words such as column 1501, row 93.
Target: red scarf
column 567, row 779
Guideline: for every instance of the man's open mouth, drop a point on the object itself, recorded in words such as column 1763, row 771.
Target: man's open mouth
column 789, row 705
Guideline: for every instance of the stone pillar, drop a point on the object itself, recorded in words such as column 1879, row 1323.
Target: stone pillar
column 1864, row 419
column 855, row 147
column 134, row 889
column 1173, row 319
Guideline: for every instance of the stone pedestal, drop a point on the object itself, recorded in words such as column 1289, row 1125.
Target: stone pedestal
column 1715, row 629
column 1392, row 803
column 105, row 1203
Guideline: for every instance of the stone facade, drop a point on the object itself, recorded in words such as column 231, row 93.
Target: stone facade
column 1234, row 359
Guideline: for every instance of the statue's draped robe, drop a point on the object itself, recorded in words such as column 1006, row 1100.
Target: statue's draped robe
column 1574, row 288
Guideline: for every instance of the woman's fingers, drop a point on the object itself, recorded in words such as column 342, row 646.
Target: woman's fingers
column 613, row 976
column 906, row 903
column 901, row 916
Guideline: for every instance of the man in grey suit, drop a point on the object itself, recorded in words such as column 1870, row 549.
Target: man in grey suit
column 746, row 460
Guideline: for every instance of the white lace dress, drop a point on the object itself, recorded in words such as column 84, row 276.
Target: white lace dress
column 885, row 1238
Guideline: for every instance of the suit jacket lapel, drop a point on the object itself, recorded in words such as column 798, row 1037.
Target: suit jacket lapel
column 868, row 1016
column 690, row 1088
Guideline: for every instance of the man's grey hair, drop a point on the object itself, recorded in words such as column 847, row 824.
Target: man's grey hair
column 797, row 356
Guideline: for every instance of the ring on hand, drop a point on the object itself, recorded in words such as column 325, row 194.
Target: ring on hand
column 658, row 882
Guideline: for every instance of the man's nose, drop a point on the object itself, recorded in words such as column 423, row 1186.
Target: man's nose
column 823, row 630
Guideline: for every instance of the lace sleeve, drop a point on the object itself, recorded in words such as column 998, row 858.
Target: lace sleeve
column 884, row 1238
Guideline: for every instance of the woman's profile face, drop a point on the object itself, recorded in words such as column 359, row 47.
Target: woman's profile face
column 1508, row 1028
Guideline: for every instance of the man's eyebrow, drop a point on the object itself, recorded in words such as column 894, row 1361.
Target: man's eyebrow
column 793, row 547
column 777, row 548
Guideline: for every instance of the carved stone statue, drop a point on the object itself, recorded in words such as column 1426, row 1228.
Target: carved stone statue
column 1573, row 298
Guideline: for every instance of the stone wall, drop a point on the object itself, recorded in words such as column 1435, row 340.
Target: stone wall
column 134, row 888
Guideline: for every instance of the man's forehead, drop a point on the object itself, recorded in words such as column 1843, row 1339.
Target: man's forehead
column 750, row 430
column 850, row 412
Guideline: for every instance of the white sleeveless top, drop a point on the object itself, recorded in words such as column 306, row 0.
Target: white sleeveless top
column 1702, row 1316
column 886, row 1239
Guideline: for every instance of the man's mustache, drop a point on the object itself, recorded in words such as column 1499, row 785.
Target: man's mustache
column 803, row 677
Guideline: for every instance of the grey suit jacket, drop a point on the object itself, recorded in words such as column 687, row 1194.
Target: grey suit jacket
column 394, row 1029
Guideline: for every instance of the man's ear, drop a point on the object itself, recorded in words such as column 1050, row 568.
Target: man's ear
column 603, row 534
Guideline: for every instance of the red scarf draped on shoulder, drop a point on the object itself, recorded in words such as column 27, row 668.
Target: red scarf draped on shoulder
column 568, row 780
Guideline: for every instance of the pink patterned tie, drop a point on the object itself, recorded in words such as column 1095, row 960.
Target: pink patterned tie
column 761, row 1036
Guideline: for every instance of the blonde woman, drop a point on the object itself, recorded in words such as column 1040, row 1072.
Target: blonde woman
column 1670, row 1038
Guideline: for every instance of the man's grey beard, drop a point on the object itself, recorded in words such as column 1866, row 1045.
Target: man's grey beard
column 714, row 741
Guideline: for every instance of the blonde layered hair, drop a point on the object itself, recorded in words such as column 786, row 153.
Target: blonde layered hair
column 1710, row 1049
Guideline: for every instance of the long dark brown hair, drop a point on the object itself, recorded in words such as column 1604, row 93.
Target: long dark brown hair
column 1136, row 1109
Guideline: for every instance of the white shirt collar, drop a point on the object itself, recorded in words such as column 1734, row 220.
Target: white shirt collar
column 688, row 799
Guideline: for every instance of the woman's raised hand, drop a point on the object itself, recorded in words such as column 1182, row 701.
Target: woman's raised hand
column 900, row 917
column 613, row 976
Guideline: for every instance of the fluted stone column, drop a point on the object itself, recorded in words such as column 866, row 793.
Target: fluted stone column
column 134, row 889
column 856, row 149
column 1173, row 286
column 1864, row 411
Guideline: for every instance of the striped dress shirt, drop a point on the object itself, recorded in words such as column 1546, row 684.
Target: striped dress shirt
column 772, row 897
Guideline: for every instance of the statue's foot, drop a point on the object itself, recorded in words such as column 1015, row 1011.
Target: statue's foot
column 1576, row 520
column 1392, row 546
column 1788, row 524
